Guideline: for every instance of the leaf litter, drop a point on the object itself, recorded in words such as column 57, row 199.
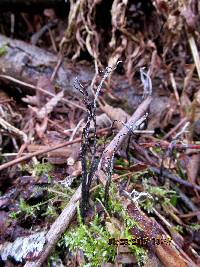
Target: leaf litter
column 158, row 44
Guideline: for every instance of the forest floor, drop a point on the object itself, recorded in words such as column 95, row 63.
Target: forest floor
column 100, row 134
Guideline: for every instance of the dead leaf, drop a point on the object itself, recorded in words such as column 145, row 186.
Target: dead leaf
column 44, row 83
column 114, row 227
column 102, row 121
column 125, row 257
column 32, row 100
column 114, row 232
column 190, row 17
column 41, row 127
column 116, row 114
column 44, row 111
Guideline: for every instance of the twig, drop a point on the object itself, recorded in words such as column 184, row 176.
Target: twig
column 183, row 129
column 6, row 125
column 106, row 163
column 169, row 226
column 165, row 145
column 175, row 128
column 36, row 36
column 2, row 76
column 168, row 254
column 75, row 130
column 62, row 222
column 175, row 178
column 143, row 131
column 187, row 201
column 146, row 81
column 173, row 82
column 60, row 58
column 57, row 229
column 37, row 153
column 116, row 143
column 195, row 53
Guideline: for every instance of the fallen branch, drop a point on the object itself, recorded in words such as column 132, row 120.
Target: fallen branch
column 175, row 178
column 37, row 88
column 169, row 255
column 10, row 128
column 57, row 229
column 23, row 64
column 62, row 222
column 116, row 143
column 165, row 145
column 195, row 53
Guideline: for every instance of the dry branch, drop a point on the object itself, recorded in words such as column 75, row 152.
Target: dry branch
column 175, row 178
column 27, row 63
column 116, row 143
column 55, row 233
column 44, row 151
column 167, row 254
column 57, row 229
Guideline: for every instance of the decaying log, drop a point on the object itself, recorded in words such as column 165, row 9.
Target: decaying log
column 28, row 63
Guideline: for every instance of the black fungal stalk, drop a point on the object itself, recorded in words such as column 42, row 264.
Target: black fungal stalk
column 88, row 172
column 147, row 84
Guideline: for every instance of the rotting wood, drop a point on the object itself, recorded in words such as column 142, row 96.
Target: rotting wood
column 28, row 62
column 167, row 253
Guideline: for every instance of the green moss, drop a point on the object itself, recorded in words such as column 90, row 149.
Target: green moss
column 194, row 227
column 121, row 162
column 93, row 238
column 157, row 150
column 178, row 228
column 159, row 194
column 102, row 140
column 42, row 168
column 26, row 210
column 174, row 200
column 3, row 49
column 148, row 205
column 38, row 169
